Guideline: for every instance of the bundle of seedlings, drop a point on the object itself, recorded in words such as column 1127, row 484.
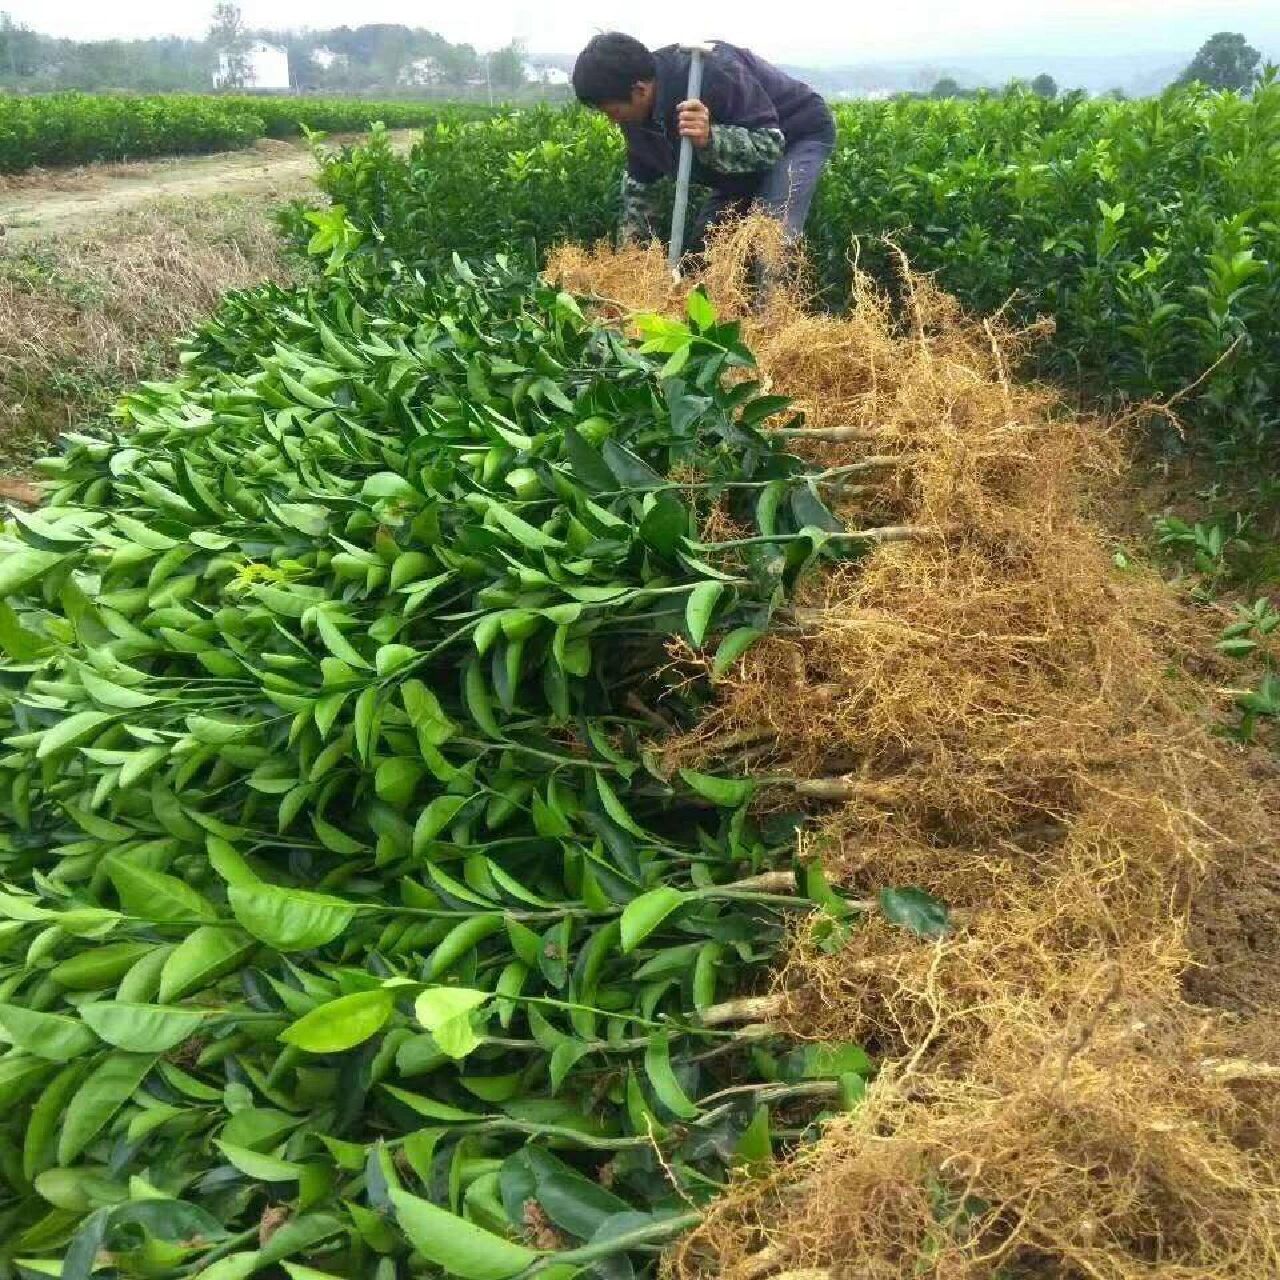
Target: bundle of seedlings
column 1010, row 717
column 350, row 925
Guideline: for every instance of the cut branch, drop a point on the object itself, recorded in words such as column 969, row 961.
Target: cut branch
column 1227, row 1069
column 745, row 1009
column 882, row 533
column 841, row 789
column 767, row 882
column 835, row 435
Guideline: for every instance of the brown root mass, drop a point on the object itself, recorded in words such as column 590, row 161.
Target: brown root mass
column 1019, row 727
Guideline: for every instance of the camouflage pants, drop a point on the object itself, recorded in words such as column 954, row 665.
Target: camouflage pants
column 786, row 193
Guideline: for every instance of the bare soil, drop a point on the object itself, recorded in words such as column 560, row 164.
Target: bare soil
column 51, row 201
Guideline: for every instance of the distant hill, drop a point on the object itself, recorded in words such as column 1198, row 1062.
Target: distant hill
column 1137, row 74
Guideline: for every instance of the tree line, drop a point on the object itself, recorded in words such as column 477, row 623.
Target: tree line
column 374, row 58
column 1225, row 61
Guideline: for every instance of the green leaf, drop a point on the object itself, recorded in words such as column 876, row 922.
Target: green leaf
column 141, row 1028
column 455, row 1245
column 564, row 1057
column 460, row 940
column 393, row 657
column 586, row 462
column 728, row 793
column 201, row 958
column 107, row 694
column 666, row 524
column 676, row 361
column 259, row 1128
column 732, row 647
column 657, row 1066
column 701, row 605
column 433, row 820
column 523, row 532
column 98, row 1099
column 573, row 1202
column 259, row 1167
column 429, row 1107
column 823, row 1061
column 699, row 309
column 1237, row 647
column 755, row 1147
column 156, row 896
column 479, row 703
column 47, row 1035
column 630, row 471
column 289, row 919
column 333, row 839
column 762, row 407
column 614, row 807
column 100, row 967
column 396, row 779
column 341, row 1024
column 446, row 1013
column 811, row 512
column 767, row 507
column 71, row 732
column 337, row 643
column 19, row 568
column 217, row 732
column 20, row 643
column 915, row 910
column 306, row 517
column 644, row 914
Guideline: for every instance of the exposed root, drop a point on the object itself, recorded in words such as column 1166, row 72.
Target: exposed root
column 1001, row 717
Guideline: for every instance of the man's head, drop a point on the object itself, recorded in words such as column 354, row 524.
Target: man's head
column 616, row 75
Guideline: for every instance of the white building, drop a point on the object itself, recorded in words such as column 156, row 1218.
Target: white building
column 421, row 71
column 327, row 59
column 268, row 68
column 545, row 75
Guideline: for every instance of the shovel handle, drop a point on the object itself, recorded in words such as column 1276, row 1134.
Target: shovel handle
column 683, row 170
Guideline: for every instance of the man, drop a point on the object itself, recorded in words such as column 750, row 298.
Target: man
column 758, row 135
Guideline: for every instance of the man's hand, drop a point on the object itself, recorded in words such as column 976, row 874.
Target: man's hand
column 695, row 122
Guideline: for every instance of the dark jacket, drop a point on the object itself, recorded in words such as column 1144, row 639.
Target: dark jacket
column 738, row 89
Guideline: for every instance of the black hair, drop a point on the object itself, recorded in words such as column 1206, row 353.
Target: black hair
column 609, row 66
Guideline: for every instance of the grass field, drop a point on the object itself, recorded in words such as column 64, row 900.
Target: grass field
column 103, row 267
column 85, row 315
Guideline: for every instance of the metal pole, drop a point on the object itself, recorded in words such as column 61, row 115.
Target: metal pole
column 683, row 169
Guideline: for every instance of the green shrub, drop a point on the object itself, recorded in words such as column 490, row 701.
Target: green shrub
column 76, row 128
column 1149, row 230
column 284, row 117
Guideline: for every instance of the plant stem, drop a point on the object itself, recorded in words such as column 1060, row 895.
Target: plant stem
column 648, row 1234
column 886, row 533
column 220, row 1251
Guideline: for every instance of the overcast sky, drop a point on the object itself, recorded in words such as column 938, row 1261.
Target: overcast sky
column 811, row 31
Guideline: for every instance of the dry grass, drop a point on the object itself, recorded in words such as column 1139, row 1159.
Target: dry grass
column 1016, row 726
column 85, row 314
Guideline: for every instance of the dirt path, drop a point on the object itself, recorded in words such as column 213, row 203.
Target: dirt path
column 58, row 200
